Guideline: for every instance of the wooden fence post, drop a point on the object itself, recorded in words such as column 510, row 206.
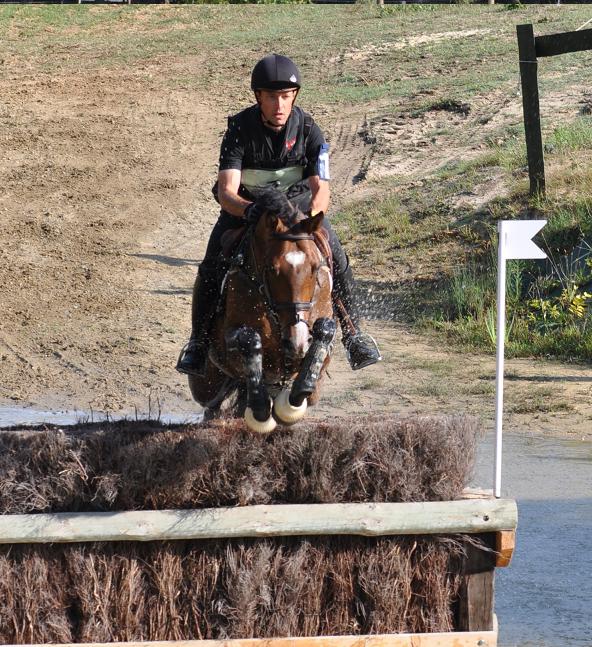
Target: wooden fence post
column 530, row 106
column 475, row 600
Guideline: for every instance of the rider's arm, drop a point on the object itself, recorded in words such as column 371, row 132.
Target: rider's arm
column 320, row 194
column 228, row 185
column 229, row 175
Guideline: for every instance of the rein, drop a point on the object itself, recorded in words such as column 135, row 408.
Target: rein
column 292, row 237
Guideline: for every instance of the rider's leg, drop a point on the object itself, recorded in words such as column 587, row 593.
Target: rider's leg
column 205, row 300
column 361, row 349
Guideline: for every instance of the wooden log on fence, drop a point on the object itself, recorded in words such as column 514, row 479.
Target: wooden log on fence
column 505, row 542
column 475, row 597
column 366, row 519
column 569, row 41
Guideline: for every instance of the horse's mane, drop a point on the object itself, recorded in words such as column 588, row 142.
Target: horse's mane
column 276, row 203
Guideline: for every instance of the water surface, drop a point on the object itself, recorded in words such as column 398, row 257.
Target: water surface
column 20, row 416
column 543, row 598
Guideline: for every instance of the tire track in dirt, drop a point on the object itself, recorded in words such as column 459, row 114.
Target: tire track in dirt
column 416, row 145
column 350, row 156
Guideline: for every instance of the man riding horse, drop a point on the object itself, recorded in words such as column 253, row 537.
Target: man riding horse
column 272, row 144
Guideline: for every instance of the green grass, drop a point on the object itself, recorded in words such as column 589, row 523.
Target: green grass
column 363, row 224
column 463, row 309
column 539, row 400
column 320, row 37
column 567, row 223
column 573, row 136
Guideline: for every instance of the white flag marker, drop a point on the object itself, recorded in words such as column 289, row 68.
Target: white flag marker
column 515, row 241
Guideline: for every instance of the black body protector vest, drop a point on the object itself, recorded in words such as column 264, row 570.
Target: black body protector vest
column 272, row 160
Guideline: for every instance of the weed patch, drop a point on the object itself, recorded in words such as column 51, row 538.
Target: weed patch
column 549, row 303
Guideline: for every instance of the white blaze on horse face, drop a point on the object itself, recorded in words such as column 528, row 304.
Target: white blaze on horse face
column 295, row 259
column 299, row 338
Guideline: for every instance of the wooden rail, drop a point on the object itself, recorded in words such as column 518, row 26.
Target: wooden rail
column 530, row 48
column 367, row 519
column 441, row 639
column 569, row 41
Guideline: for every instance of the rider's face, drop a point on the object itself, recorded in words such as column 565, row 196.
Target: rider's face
column 276, row 105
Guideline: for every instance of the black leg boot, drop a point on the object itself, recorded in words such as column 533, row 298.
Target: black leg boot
column 360, row 347
column 192, row 360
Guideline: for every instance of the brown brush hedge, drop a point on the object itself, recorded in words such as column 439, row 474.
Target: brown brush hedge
column 134, row 465
column 300, row 586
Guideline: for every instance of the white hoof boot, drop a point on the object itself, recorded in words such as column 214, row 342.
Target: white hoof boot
column 285, row 412
column 260, row 427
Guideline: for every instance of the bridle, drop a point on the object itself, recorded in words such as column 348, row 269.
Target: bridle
column 250, row 268
column 296, row 306
column 260, row 276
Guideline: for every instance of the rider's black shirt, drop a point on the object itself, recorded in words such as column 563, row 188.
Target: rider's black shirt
column 248, row 144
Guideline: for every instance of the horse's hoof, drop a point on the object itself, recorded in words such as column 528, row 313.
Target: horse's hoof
column 256, row 425
column 285, row 412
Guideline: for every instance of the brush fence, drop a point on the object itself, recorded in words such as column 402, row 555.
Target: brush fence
column 493, row 520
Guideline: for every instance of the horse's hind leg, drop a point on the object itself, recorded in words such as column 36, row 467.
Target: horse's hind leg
column 247, row 342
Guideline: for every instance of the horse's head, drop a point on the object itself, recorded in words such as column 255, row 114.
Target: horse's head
column 293, row 271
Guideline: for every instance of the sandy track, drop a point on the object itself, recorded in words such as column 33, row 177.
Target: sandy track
column 106, row 211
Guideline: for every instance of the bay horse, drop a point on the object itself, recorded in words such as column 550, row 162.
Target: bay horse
column 272, row 335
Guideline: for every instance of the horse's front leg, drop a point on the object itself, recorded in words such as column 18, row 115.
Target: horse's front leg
column 247, row 342
column 290, row 406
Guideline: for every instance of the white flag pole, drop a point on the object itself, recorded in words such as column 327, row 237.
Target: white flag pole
column 499, row 364
column 514, row 241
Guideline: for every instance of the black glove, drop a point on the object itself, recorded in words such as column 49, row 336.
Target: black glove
column 252, row 213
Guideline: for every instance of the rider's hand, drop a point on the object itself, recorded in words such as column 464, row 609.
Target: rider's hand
column 252, row 213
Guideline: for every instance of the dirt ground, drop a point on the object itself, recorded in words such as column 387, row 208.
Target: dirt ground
column 105, row 212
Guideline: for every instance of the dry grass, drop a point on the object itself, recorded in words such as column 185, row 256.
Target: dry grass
column 230, row 589
column 128, row 466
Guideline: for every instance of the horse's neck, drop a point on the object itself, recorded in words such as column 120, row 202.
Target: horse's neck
column 255, row 257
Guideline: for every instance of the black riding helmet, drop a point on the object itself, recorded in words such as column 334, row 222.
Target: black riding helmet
column 275, row 72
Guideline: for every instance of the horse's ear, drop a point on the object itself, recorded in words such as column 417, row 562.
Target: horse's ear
column 312, row 223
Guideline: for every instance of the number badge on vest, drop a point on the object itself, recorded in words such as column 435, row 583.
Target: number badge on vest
column 323, row 163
